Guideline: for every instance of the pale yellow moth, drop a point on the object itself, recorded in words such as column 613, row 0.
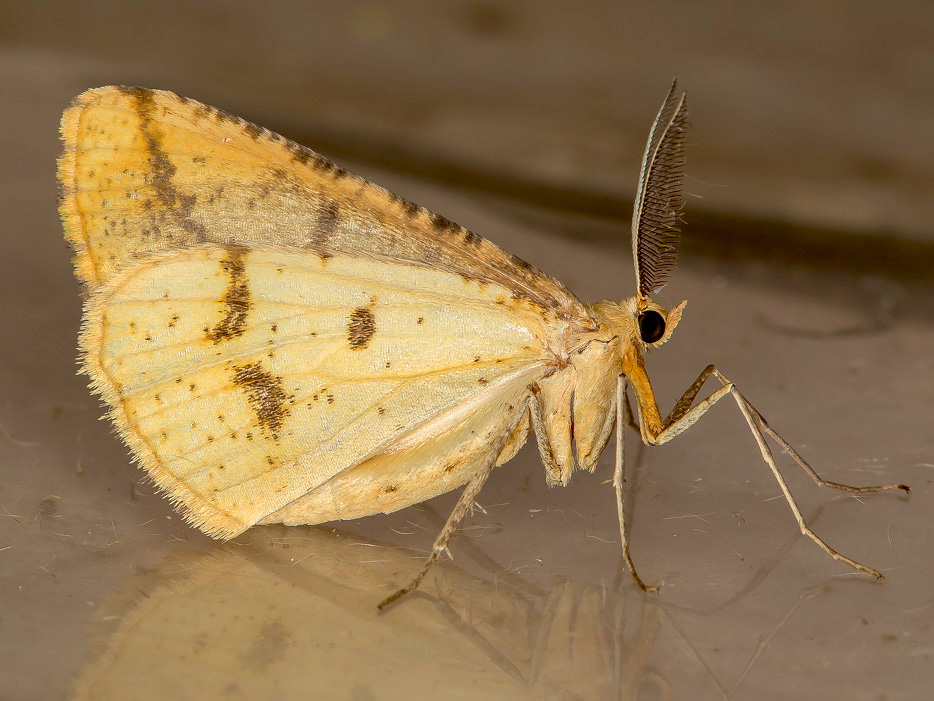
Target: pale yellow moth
column 280, row 341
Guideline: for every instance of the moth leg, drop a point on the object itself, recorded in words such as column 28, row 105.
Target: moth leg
column 682, row 406
column 623, row 408
column 812, row 473
column 630, row 419
column 464, row 504
column 537, row 411
column 752, row 418
column 682, row 417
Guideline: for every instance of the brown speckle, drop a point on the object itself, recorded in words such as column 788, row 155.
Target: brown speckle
column 410, row 209
column 443, row 224
column 300, row 154
column 360, row 328
column 253, row 131
column 266, row 396
column 521, row 264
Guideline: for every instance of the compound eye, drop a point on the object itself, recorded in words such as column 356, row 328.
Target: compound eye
column 651, row 326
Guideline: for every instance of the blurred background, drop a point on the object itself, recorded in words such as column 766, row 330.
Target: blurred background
column 810, row 209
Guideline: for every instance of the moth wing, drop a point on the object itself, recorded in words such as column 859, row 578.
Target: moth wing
column 244, row 377
column 146, row 170
column 443, row 458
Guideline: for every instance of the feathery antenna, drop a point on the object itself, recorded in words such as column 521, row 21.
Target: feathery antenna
column 656, row 221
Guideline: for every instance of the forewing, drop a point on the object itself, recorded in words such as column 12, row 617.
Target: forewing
column 243, row 377
column 146, row 170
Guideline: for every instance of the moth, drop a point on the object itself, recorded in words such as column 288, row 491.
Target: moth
column 280, row 341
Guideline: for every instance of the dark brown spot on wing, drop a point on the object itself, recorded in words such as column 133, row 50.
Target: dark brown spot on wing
column 329, row 219
column 305, row 156
column 266, row 396
column 521, row 264
column 253, row 131
column 360, row 328
column 300, row 154
column 236, row 298
column 443, row 224
column 410, row 209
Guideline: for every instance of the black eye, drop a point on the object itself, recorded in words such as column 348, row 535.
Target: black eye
column 651, row 326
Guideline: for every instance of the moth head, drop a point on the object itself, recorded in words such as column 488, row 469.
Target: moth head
column 637, row 322
column 656, row 222
column 653, row 323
